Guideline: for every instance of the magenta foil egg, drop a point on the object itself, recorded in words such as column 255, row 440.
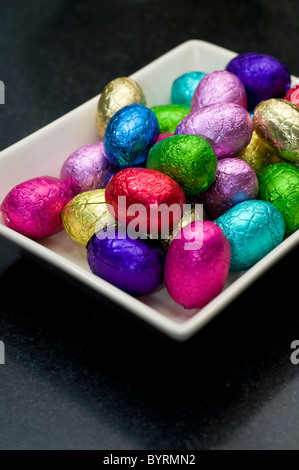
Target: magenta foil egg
column 163, row 136
column 88, row 168
column 196, row 271
column 227, row 127
column 235, row 182
column 219, row 87
column 33, row 208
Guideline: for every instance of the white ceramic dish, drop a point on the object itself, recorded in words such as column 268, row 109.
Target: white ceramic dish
column 44, row 152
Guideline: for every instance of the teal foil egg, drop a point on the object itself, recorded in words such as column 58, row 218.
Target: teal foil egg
column 253, row 228
column 188, row 159
column 184, row 86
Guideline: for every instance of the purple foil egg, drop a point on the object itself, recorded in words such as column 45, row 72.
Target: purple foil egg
column 88, row 168
column 219, row 87
column 227, row 127
column 33, row 208
column 262, row 75
column 133, row 265
column 235, row 182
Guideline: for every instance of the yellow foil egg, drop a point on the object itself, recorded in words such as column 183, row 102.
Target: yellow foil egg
column 118, row 93
column 258, row 154
column 85, row 214
column 277, row 122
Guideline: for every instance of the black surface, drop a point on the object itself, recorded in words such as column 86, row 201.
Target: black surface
column 78, row 374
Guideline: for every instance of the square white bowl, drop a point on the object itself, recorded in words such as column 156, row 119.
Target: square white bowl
column 44, row 152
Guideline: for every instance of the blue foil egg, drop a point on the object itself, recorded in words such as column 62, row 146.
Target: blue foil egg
column 253, row 228
column 183, row 87
column 130, row 134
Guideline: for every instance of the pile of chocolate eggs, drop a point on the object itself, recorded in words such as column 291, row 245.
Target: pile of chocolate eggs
column 133, row 198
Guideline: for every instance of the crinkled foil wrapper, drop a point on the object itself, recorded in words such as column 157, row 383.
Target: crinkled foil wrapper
column 133, row 265
column 235, row 182
column 118, row 93
column 219, row 87
column 33, row 208
column 277, row 121
column 88, row 168
column 193, row 277
column 85, row 214
column 279, row 184
column 258, row 154
column 227, row 127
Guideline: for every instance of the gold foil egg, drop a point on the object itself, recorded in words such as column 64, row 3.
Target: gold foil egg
column 277, row 122
column 258, row 154
column 193, row 211
column 85, row 214
column 118, row 93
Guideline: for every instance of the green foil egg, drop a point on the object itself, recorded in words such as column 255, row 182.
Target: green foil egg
column 188, row 159
column 169, row 116
column 279, row 184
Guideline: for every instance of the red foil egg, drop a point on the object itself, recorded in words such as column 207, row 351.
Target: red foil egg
column 293, row 95
column 141, row 198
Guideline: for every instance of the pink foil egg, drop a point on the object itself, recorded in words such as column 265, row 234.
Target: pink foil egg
column 219, row 87
column 33, row 208
column 163, row 136
column 235, row 182
column 88, row 168
column 197, row 264
column 227, row 127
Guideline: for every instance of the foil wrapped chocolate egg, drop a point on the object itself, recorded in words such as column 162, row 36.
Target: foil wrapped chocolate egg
column 149, row 194
column 262, row 75
column 130, row 134
column 253, row 228
column 279, row 184
column 86, row 214
column 192, row 212
column 163, row 136
column 219, row 87
column 197, row 264
column 293, row 95
column 133, row 265
column 184, row 86
column 277, row 122
column 88, row 168
column 258, row 154
column 188, row 159
column 118, row 93
column 235, row 182
column 169, row 116
column 33, row 208
column 227, row 127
